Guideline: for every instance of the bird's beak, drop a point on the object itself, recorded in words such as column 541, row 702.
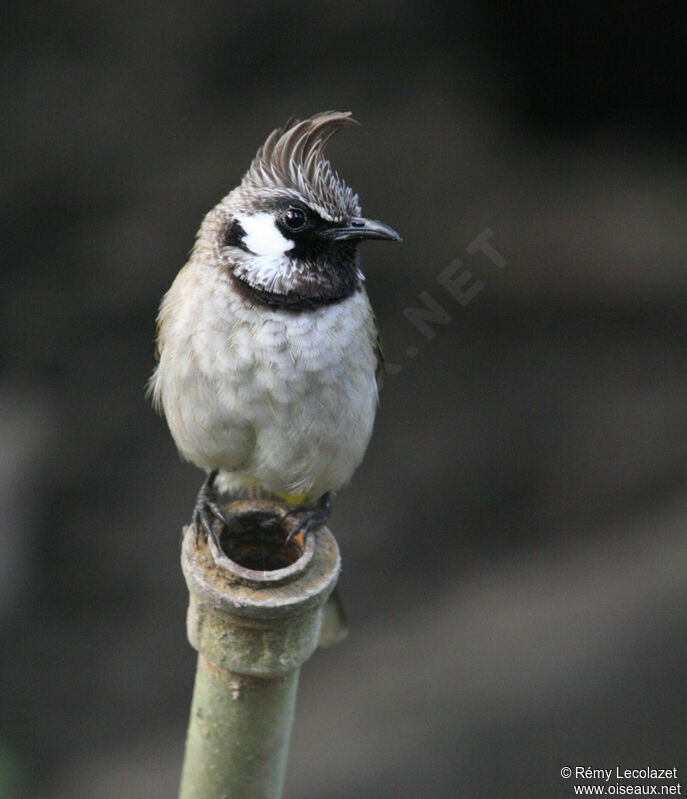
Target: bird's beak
column 358, row 229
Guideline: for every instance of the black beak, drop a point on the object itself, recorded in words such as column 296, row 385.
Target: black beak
column 358, row 229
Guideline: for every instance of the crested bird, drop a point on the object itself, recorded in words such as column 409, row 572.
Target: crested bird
column 267, row 346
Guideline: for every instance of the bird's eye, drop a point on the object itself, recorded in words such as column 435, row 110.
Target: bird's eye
column 295, row 219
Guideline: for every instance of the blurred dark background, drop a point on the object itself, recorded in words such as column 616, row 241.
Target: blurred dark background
column 515, row 559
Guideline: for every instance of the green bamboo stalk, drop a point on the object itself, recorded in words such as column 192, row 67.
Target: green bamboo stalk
column 253, row 630
column 238, row 737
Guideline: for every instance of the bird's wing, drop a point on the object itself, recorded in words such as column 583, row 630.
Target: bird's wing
column 379, row 369
column 377, row 346
column 157, row 350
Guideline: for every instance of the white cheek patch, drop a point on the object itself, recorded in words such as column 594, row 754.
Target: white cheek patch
column 263, row 237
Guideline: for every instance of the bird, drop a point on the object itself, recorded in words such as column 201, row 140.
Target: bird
column 268, row 354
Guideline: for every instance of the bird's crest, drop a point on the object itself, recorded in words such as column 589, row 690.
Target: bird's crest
column 292, row 159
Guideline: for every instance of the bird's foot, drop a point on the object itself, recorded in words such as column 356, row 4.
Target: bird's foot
column 207, row 511
column 313, row 516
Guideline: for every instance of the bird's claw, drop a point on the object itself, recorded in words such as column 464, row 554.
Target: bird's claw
column 207, row 510
column 314, row 516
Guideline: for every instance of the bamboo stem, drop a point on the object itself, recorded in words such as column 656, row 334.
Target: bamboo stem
column 253, row 630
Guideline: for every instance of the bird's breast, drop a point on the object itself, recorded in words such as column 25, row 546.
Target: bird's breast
column 302, row 381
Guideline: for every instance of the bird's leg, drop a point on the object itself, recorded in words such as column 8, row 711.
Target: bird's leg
column 207, row 510
column 314, row 516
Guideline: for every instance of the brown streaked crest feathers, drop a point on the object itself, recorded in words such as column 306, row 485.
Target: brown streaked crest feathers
column 292, row 159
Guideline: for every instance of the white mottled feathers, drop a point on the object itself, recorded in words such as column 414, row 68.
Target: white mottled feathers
column 269, row 397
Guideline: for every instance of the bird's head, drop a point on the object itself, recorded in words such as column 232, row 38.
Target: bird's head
column 289, row 233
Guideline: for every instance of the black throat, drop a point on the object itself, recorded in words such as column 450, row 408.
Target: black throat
column 294, row 300
column 327, row 273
